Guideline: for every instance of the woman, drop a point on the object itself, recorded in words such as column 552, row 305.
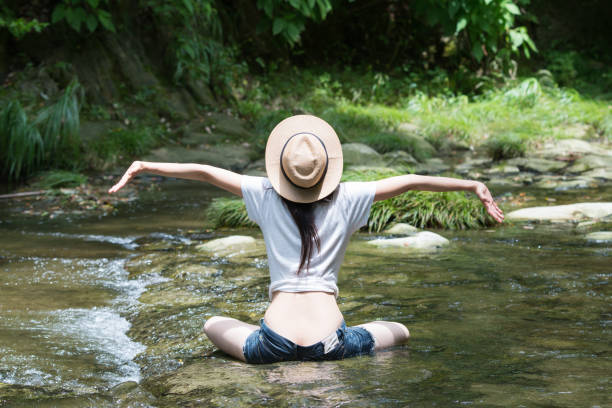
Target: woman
column 306, row 216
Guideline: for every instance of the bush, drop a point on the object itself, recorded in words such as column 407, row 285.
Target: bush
column 60, row 178
column 51, row 140
column 228, row 212
column 505, row 146
column 423, row 209
column 21, row 146
column 126, row 142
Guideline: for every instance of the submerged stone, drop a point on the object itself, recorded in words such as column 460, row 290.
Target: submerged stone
column 229, row 245
column 424, row 240
column 503, row 169
column 570, row 212
column 600, row 237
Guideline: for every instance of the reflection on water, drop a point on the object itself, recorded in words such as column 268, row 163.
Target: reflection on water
column 110, row 312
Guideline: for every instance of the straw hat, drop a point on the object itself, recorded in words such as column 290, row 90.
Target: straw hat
column 304, row 159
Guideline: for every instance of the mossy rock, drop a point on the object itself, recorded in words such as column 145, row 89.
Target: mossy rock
column 229, row 156
column 359, row 154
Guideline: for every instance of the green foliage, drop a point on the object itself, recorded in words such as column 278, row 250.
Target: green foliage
column 505, row 146
column 59, row 127
column 525, row 94
column 485, row 27
column 126, row 143
column 288, row 18
column 228, row 212
column 196, row 34
column 59, row 178
column 19, row 27
column 52, row 139
column 83, row 13
column 21, row 146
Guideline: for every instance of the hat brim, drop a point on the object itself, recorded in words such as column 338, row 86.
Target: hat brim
column 279, row 136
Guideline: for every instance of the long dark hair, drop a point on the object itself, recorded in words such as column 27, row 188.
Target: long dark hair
column 303, row 215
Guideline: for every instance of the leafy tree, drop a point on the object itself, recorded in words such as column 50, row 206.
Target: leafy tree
column 484, row 27
column 87, row 13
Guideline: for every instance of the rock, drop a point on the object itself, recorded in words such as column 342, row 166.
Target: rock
column 503, row 169
column 231, row 126
column 195, row 139
column 400, row 160
column 91, row 131
column 536, row 164
column 200, row 92
column 503, row 182
column 574, row 184
column 179, row 104
column 359, row 154
column 228, row 245
column 576, row 130
column 408, row 127
column 402, row 228
column 432, row 166
column 601, row 237
column 605, row 174
column 256, row 168
column 469, row 164
column 228, row 156
column 424, row 240
column 570, row 212
column 571, row 147
column 589, row 162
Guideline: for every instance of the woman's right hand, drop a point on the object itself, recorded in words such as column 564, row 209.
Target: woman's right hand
column 486, row 198
column 136, row 168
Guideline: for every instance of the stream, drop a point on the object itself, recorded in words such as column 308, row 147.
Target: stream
column 109, row 310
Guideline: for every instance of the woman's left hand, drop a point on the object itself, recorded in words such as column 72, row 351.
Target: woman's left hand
column 132, row 171
column 485, row 196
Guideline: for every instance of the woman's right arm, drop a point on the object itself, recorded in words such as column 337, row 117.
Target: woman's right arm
column 225, row 179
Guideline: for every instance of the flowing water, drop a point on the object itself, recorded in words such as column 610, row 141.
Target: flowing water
column 109, row 312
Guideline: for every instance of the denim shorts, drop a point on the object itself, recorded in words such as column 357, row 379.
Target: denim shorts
column 265, row 346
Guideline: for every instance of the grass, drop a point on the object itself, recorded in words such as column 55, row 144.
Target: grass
column 392, row 113
column 51, row 139
column 121, row 143
column 228, row 212
column 59, row 178
column 423, row 209
column 21, row 146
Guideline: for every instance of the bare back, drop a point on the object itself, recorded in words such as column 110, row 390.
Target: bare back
column 303, row 317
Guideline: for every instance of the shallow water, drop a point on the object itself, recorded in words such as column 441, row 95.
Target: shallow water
column 108, row 312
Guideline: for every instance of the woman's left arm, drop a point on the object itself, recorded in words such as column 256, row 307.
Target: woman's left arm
column 393, row 186
column 225, row 179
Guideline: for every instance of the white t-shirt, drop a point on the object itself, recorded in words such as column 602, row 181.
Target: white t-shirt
column 336, row 221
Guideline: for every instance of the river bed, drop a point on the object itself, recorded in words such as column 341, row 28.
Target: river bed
column 108, row 311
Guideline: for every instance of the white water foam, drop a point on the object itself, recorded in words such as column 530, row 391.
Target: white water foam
column 76, row 346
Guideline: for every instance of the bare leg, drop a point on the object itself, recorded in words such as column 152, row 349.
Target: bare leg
column 229, row 334
column 387, row 334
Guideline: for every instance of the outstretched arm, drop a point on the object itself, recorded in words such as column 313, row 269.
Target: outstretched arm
column 393, row 186
column 225, row 179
